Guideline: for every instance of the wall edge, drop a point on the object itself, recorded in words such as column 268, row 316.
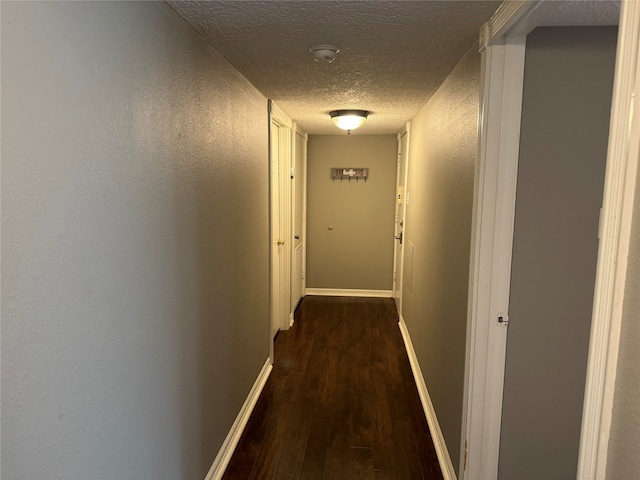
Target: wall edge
column 233, row 437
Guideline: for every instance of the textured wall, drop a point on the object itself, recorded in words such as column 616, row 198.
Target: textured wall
column 624, row 443
column 563, row 149
column 134, row 229
column 442, row 155
column 358, row 252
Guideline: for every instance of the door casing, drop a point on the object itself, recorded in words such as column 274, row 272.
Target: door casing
column 298, row 215
column 502, row 44
column 280, row 128
column 400, row 216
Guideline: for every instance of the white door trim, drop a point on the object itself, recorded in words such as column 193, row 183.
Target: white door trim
column 502, row 47
column 615, row 236
column 304, row 215
column 494, row 212
column 396, row 282
column 403, row 169
column 298, row 182
column 274, row 234
column 282, row 287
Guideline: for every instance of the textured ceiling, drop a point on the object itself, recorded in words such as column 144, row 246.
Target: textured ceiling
column 585, row 12
column 394, row 54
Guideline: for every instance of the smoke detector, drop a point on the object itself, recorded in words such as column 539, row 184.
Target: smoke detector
column 324, row 53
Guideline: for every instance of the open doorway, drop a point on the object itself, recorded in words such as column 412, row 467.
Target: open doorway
column 503, row 53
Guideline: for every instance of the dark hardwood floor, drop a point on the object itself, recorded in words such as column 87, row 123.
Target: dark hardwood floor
column 340, row 403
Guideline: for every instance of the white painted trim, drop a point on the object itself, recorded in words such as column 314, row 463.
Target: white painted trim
column 514, row 18
column 617, row 209
column 304, row 215
column 294, row 181
column 444, row 459
column 342, row 292
column 396, row 281
column 272, row 236
column 298, row 130
column 490, row 273
column 277, row 114
column 502, row 45
column 229, row 445
column 285, row 146
column 405, row 227
column 399, row 272
column 620, row 184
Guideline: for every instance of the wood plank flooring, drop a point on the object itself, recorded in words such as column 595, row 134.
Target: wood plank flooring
column 340, row 403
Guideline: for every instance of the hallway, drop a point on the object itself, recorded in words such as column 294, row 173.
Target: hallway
column 141, row 184
column 341, row 401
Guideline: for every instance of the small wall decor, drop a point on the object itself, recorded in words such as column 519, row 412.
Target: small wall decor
column 349, row 173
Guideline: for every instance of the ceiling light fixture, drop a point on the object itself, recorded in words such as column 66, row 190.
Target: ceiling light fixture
column 324, row 53
column 349, row 119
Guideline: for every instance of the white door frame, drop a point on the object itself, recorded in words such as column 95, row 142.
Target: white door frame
column 305, row 167
column 299, row 181
column 615, row 236
column 403, row 169
column 396, row 282
column 502, row 47
column 275, row 253
column 281, row 286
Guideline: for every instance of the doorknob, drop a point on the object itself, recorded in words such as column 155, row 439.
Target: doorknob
column 297, row 237
column 280, row 242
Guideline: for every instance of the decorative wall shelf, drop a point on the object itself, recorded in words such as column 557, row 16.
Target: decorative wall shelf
column 349, row 173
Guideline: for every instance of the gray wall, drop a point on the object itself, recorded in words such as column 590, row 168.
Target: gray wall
column 134, row 229
column 624, row 443
column 358, row 252
column 563, row 146
column 442, row 156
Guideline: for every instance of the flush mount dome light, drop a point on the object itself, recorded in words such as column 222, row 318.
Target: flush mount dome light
column 324, row 53
column 349, row 119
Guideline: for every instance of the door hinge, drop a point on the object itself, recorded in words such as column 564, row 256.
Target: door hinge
column 503, row 319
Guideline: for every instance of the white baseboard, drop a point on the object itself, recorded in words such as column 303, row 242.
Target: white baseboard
column 226, row 451
column 436, row 433
column 344, row 292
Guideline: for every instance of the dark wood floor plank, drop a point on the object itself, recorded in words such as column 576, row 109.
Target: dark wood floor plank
column 315, row 456
column 409, row 468
column 295, row 444
column 266, row 462
column 337, row 462
column 340, row 402
column 361, row 408
column 237, row 472
column 384, row 475
column 428, row 457
column 360, row 463
column 384, row 455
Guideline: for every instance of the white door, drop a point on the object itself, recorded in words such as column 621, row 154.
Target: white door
column 276, row 242
column 399, row 220
column 281, row 251
column 298, row 230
